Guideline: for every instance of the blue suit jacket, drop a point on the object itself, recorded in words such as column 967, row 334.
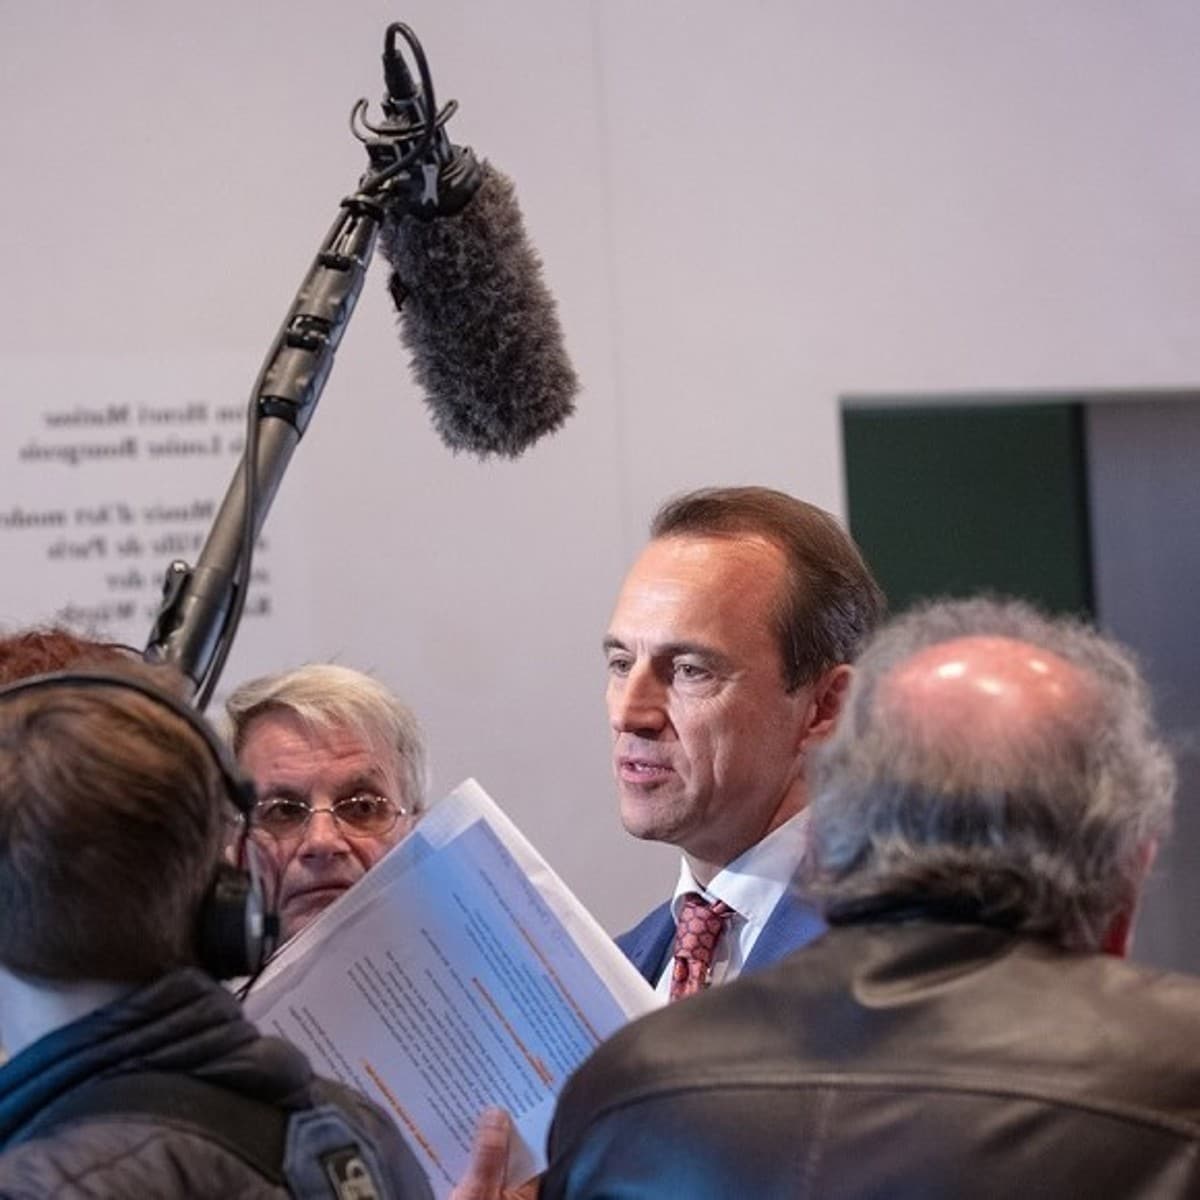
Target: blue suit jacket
column 793, row 923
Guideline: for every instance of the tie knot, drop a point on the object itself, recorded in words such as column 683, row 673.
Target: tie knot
column 699, row 915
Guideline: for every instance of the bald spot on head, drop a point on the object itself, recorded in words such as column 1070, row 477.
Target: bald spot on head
column 987, row 693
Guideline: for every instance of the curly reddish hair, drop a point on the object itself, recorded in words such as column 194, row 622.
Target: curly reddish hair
column 55, row 648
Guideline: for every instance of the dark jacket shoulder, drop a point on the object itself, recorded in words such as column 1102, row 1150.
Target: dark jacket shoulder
column 889, row 1060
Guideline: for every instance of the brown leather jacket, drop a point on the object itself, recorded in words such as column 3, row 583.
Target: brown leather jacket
column 909, row 1061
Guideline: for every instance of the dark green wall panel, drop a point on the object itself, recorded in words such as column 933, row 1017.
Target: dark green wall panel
column 954, row 499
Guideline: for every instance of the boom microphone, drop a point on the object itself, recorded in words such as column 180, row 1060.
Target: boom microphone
column 475, row 313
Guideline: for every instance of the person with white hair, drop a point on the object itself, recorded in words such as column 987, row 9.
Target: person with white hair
column 339, row 764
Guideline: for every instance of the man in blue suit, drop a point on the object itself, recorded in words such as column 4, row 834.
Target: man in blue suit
column 728, row 655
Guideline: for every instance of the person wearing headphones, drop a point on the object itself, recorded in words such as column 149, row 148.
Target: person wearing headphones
column 132, row 1070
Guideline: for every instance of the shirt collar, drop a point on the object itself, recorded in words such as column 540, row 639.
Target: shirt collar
column 754, row 883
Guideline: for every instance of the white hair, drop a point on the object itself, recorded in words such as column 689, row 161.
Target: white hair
column 324, row 696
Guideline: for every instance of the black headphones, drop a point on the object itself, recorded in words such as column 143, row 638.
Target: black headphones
column 236, row 931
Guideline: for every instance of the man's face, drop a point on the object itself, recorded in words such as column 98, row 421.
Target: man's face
column 707, row 744
column 287, row 760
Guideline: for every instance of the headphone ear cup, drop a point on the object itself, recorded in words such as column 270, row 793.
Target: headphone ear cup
column 235, row 935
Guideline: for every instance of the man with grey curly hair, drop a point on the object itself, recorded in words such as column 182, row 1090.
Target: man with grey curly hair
column 339, row 764
column 1012, row 775
column 982, row 823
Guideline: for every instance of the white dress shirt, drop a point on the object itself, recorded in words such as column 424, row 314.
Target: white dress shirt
column 752, row 885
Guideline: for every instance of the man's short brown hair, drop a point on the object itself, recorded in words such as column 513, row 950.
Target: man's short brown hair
column 112, row 816
column 831, row 602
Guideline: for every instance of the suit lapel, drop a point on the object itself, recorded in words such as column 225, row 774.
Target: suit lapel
column 793, row 923
column 648, row 943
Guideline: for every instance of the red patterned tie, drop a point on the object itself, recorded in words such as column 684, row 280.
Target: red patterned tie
column 699, row 926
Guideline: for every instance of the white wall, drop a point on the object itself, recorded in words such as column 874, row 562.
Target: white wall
column 745, row 211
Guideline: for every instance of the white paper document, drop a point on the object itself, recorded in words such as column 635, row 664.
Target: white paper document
column 459, row 973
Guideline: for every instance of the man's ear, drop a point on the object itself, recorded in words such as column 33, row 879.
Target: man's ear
column 1118, row 937
column 828, row 696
